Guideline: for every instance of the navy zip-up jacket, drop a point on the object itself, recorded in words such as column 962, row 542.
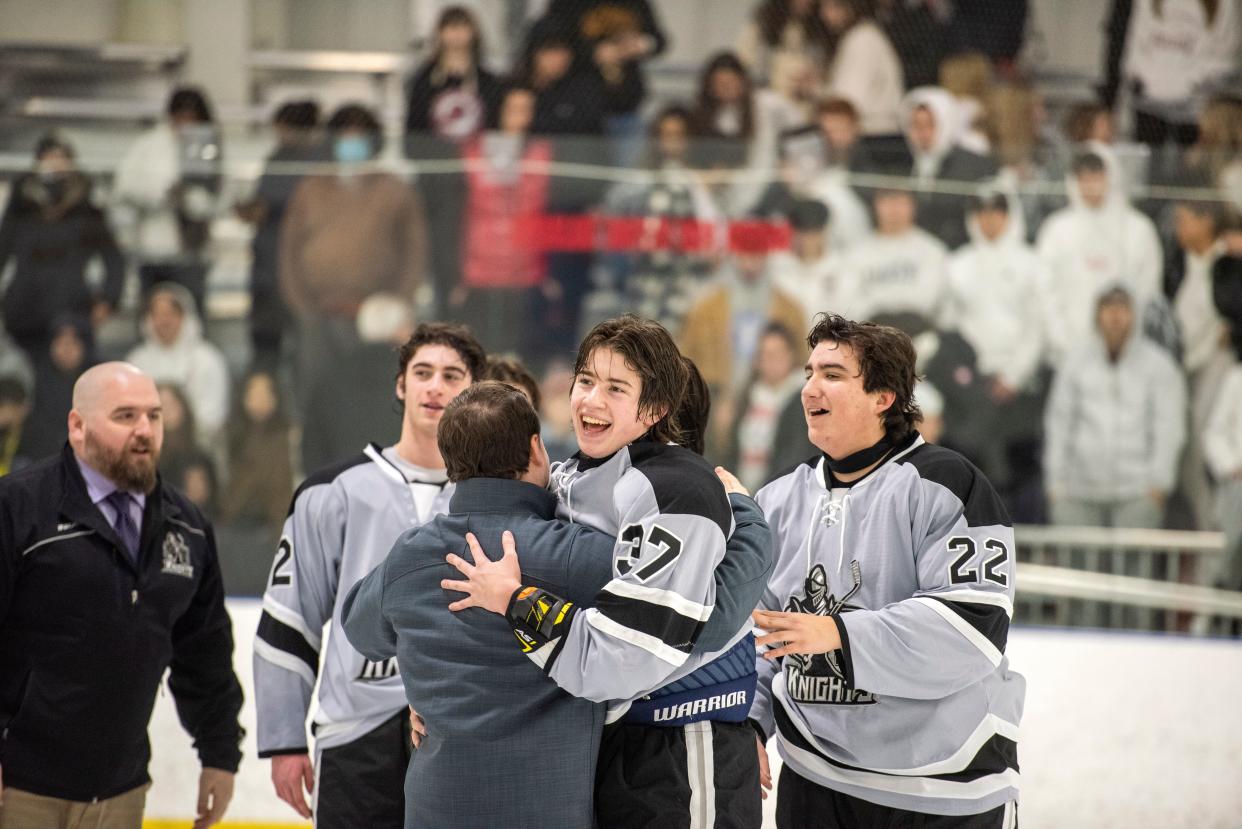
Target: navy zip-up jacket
column 85, row 636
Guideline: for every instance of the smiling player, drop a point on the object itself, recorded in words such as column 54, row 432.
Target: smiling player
column 887, row 684
column 682, row 754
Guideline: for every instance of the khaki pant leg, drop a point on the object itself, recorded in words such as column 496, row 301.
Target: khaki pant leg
column 121, row 812
column 23, row 810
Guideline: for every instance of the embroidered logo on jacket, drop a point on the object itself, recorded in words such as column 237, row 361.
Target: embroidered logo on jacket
column 177, row 556
column 819, row 679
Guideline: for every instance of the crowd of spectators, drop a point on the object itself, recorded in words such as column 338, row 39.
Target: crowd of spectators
column 1072, row 283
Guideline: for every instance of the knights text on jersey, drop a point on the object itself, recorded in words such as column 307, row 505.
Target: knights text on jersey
column 672, row 519
column 919, row 709
column 341, row 525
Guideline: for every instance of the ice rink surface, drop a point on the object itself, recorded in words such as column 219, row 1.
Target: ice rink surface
column 1121, row 730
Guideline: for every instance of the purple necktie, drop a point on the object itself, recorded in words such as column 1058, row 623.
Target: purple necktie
column 124, row 524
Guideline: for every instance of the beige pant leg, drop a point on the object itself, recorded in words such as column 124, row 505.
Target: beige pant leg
column 23, row 810
column 121, row 812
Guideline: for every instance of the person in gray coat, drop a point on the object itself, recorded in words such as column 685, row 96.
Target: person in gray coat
column 1115, row 425
column 504, row 745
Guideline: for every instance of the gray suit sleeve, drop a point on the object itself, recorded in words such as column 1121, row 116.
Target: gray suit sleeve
column 366, row 626
column 741, row 577
column 300, row 594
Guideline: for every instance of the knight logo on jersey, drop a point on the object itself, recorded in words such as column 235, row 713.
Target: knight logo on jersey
column 818, row 679
column 177, row 556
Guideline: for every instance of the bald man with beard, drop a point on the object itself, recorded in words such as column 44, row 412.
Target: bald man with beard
column 108, row 577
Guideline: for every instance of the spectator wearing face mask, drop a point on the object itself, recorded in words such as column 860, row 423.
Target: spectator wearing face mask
column 347, row 235
column 51, row 232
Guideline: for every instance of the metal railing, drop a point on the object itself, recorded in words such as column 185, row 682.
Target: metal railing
column 1120, row 578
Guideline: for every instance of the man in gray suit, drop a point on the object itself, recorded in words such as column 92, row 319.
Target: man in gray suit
column 504, row 746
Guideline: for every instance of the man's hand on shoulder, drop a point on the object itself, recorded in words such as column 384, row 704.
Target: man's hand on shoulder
column 731, row 484
column 489, row 584
column 215, row 790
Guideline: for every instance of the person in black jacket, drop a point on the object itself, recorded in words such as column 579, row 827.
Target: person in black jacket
column 108, row 577
column 51, row 232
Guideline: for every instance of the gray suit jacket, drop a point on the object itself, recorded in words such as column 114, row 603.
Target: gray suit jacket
column 504, row 746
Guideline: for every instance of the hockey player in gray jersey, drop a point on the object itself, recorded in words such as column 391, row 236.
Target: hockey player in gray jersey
column 342, row 523
column 885, row 682
column 678, row 752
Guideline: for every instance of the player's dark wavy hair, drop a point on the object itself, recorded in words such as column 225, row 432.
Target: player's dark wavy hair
column 457, row 337
column 485, row 432
column 648, row 349
column 885, row 358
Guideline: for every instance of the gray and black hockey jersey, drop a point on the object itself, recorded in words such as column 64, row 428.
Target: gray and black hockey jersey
column 918, row 710
column 342, row 523
column 672, row 520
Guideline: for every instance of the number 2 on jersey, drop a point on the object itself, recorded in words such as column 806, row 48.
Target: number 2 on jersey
column 965, row 549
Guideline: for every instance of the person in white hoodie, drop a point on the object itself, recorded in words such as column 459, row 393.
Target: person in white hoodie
column 166, row 188
column 174, row 350
column 1097, row 241
column 899, row 268
column 995, row 284
column 1114, row 425
column 934, row 122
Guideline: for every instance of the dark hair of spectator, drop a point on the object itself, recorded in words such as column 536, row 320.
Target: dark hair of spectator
column 485, row 432
column 836, row 106
column 51, row 142
column 358, row 117
column 886, row 360
column 648, row 349
column 1080, row 121
column 183, row 436
column 696, row 409
column 298, row 115
column 240, row 423
column 190, row 99
column 1088, row 163
column 706, row 106
column 677, row 111
column 455, row 336
column 12, row 391
column 1115, row 295
column 858, row 9
column 773, row 16
column 461, row 16
column 514, row 373
column 809, row 214
column 989, row 200
column 776, row 329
